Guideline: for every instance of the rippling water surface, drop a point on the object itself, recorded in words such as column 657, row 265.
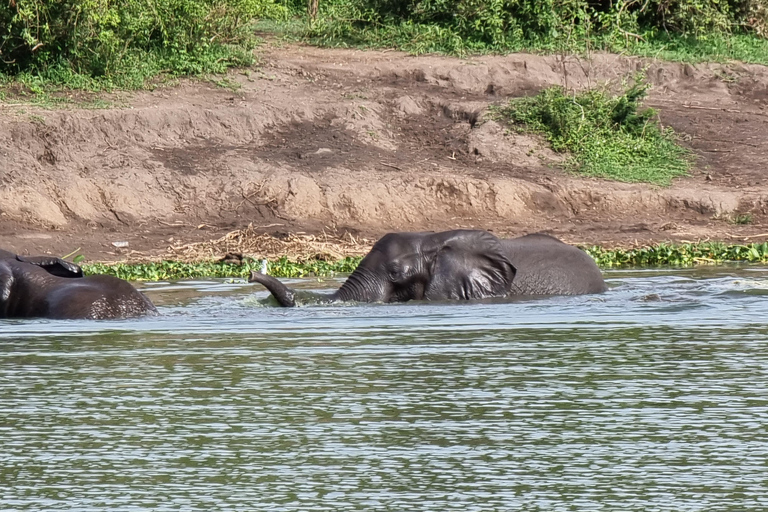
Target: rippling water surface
column 653, row 396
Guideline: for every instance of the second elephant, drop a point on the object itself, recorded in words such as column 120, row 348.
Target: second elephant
column 459, row 264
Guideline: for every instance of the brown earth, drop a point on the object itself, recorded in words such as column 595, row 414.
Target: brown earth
column 364, row 142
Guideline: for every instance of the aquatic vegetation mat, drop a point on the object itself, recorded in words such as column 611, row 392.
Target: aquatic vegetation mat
column 174, row 270
column 686, row 254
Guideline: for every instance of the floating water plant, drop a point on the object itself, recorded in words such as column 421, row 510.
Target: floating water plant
column 686, row 254
column 173, row 270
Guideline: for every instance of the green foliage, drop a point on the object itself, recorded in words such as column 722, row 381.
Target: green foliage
column 453, row 25
column 742, row 218
column 607, row 135
column 679, row 255
column 173, row 270
column 689, row 30
column 129, row 40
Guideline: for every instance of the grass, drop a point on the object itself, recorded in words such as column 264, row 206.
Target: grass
column 54, row 86
column 742, row 218
column 423, row 38
column 715, row 48
column 606, row 136
column 680, row 255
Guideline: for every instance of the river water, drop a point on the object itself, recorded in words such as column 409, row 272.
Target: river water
column 653, row 396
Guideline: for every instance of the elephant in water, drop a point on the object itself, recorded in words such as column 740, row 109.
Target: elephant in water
column 43, row 286
column 459, row 264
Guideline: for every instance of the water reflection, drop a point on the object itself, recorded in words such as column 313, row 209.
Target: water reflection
column 616, row 402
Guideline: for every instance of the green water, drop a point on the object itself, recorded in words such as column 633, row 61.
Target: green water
column 653, row 396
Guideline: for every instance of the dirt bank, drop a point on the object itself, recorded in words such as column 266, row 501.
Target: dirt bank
column 369, row 142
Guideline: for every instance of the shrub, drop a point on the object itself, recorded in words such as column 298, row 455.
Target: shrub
column 104, row 37
column 607, row 136
column 503, row 23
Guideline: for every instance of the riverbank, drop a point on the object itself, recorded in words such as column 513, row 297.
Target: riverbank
column 344, row 143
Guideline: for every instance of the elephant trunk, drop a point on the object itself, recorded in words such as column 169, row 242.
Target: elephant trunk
column 283, row 294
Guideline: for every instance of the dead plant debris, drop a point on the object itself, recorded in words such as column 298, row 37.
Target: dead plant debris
column 296, row 246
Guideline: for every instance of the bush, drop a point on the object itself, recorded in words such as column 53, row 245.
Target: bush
column 485, row 22
column 607, row 136
column 106, row 37
column 496, row 24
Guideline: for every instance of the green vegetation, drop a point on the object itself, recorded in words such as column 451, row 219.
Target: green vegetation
column 663, row 254
column 172, row 270
column 679, row 255
column 743, row 218
column 689, row 30
column 607, row 136
column 104, row 44
column 95, row 45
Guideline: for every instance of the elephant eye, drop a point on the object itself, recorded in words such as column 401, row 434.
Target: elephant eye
column 395, row 271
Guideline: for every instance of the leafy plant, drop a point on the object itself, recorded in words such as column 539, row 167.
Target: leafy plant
column 609, row 136
column 742, row 218
column 126, row 41
column 688, row 30
column 679, row 255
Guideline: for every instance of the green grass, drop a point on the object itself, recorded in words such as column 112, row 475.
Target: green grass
column 714, row 48
column 418, row 39
column 680, row 255
column 607, row 136
column 47, row 46
column 53, row 87
column 49, row 86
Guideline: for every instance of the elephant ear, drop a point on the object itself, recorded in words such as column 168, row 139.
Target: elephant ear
column 54, row 266
column 470, row 264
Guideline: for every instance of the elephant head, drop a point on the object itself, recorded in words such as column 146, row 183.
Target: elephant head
column 459, row 264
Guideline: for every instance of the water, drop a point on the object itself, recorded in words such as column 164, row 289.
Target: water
column 653, row 396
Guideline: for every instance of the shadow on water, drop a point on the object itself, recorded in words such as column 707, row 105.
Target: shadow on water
column 653, row 396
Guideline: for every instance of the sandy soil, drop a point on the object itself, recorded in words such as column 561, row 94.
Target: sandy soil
column 344, row 141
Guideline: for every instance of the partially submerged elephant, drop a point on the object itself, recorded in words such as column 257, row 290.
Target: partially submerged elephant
column 43, row 286
column 459, row 264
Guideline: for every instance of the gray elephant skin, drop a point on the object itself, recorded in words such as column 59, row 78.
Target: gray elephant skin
column 48, row 287
column 459, row 265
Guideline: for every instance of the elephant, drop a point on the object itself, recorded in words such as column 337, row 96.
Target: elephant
column 459, row 265
column 48, row 287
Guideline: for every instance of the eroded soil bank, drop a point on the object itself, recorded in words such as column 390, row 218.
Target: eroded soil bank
column 318, row 140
